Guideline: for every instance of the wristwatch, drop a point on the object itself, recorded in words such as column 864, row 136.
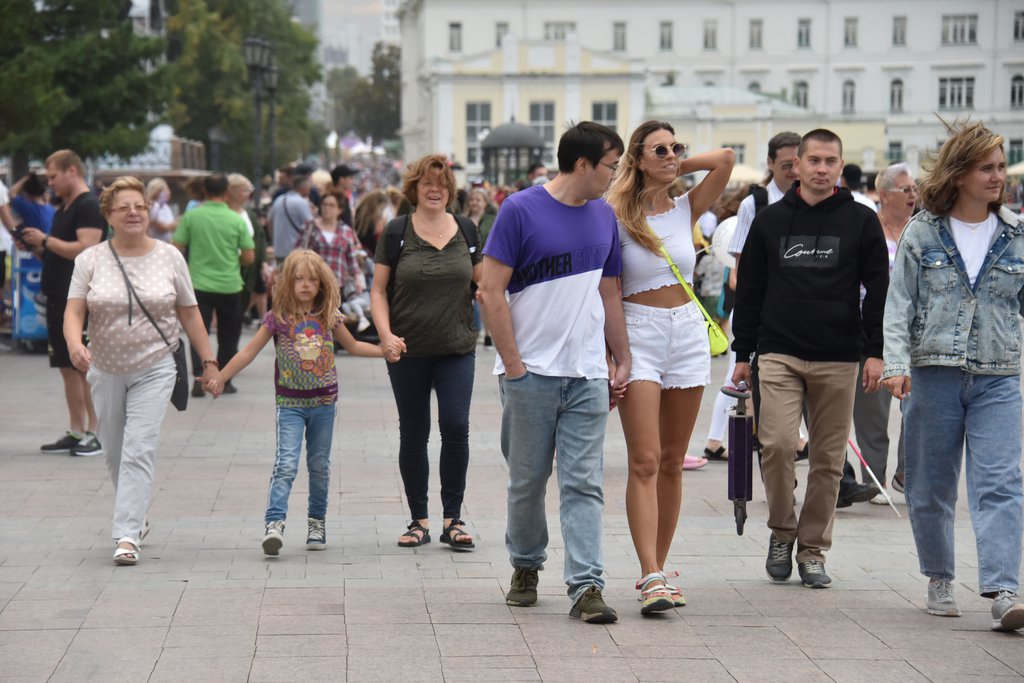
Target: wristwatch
column 42, row 244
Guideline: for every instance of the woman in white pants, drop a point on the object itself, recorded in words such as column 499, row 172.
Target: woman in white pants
column 129, row 366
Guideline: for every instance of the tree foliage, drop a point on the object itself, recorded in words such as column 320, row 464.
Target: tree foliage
column 369, row 106
column 73, row 73
column 211, row 90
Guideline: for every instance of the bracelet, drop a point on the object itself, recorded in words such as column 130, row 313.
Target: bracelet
column 46, row 238
column 210, row 362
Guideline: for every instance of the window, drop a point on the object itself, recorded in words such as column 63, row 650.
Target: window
column 803, row 33
column 740, row 150
column 500, row 31
column 895, row 152
column 1016, row 152
column 665, row 35
column 558, row 30
column 800, row 94
column 896, row 96
column 956, row 93
column 959, row 29
column 850, row 32
column 455, row 37
column 606, row 113
column 849, row 94
column 1018, row 26
column 756, row 28
column 542, row 120
column 710, row 34
column 899, row 31
column 619, row 36
column 754, row 86
column 1017, row 92
column 478, row 121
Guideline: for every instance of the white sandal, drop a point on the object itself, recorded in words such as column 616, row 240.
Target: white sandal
column 656, row 597
column 677, row 595
column 126, row 557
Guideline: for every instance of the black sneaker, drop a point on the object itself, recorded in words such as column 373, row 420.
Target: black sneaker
column 592, row 609
column 87, row 447
column 197, row 389
column 812, row 573
column 230, row 388
column 316, row 534
column 856, row 493
column 523, row 591
column 64, row 443
column 780, row 559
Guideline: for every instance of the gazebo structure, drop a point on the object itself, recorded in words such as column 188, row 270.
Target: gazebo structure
column 508, row 151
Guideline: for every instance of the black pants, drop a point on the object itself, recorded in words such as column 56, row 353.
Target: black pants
column 451, row 378
column 229, row 325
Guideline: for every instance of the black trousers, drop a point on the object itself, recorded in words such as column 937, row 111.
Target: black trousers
column 229, row 325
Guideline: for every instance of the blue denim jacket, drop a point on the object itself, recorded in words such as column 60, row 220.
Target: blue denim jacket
column 932, row 314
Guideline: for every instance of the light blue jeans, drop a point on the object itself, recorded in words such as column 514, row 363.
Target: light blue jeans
column 541, row 414
column 947, row 408
column 318, row 425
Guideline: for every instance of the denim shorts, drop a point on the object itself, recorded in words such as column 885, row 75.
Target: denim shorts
column 669, row 346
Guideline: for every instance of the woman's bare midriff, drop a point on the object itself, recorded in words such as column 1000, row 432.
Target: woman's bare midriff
column 669, row 296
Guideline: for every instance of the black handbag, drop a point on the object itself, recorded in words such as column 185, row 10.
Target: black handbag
column 179, row 395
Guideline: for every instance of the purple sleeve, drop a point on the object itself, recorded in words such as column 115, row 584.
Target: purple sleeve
column 613, row 264
column 505, row 240
column 270, row 322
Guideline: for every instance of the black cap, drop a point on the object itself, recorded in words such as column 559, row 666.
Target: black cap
column 342, row 171
column 853, row 176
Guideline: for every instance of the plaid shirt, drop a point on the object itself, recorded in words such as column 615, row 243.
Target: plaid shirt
column 341, row 256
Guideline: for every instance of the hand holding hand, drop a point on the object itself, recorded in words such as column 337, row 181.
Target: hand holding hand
column 211, row 380
column 872, row 375
column 393, row 348
column 898, row 386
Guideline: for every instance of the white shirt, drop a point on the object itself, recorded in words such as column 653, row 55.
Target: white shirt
column 862, row 198
column 644, row 270
column 973, row 241
column 745, row 216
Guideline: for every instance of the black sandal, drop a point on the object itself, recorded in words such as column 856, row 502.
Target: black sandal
column 412, row 530
column 717, row 454
column 453, row 531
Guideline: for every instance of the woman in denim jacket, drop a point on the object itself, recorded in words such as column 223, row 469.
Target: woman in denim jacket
column 952, row 333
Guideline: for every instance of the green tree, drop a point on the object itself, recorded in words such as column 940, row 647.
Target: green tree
column 211, row 89
column 342, row 85
column 377, row 100
column 73, row 73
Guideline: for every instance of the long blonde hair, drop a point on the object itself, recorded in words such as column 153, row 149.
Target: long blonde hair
column 967, row 146
column 628, row 196
column 288, row 308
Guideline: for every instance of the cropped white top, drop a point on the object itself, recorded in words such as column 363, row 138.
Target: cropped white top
column 644, row 270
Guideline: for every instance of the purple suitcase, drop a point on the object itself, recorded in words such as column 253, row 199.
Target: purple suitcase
column 741, row 454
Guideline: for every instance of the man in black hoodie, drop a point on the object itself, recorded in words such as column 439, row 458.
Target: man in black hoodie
column 798, row 307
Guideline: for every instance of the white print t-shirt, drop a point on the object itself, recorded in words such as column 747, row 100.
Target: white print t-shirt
column 973, row 241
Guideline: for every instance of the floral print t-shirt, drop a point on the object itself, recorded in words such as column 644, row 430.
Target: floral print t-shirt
column 304, row 374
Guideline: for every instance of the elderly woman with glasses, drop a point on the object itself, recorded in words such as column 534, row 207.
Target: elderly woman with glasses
column 127, row 363
column 668, row 337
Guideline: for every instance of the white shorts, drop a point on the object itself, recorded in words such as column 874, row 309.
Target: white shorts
column 669, row 345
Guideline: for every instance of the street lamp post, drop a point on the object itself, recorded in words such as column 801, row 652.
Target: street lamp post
column 258, row 54
column 270, row 84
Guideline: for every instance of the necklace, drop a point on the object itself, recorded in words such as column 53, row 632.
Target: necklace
column 973, row 227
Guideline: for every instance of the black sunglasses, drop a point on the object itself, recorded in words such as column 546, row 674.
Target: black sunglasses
column 661, row 151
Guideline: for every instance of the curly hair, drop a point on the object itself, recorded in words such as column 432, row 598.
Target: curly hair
column 967, row 146
column 125, row 182
column 627, row 195
column 420, row 168
column 287, row 307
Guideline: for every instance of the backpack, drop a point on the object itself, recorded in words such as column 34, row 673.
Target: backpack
column 760, row 195
column 394, row 242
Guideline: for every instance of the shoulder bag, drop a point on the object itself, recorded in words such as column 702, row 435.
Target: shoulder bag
column 719, row 342
column 179, row 395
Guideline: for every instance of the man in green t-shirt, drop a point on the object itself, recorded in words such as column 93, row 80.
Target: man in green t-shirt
column 216, row 240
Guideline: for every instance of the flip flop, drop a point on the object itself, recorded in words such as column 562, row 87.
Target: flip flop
column 692, row 462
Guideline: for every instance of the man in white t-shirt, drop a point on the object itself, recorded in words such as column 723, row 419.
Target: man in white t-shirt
column 853, row 180
column 554, row 249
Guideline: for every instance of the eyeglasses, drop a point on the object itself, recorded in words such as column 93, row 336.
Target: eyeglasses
column 661, row 151
column 905, row 190
column 128, row 208
column 613, row 167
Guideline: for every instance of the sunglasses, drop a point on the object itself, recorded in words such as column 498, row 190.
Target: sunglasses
column 661, row 151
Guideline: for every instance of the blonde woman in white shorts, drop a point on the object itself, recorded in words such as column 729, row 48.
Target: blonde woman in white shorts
column 667, row 337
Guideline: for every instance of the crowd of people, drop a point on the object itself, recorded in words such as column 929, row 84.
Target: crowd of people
column 586, row 285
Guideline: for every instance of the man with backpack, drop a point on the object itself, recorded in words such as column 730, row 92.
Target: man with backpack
column 289, row 215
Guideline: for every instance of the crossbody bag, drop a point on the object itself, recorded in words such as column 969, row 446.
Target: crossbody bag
column 719, row 342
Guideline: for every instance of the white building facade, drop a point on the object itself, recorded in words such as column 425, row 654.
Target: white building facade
column 898, row 61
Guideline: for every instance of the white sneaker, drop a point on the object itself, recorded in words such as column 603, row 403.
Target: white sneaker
column 879, row 499
column 363, row 324
column 274, row 537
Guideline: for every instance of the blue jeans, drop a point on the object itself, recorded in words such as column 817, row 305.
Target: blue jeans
column 947, row 408
column 541, row 414
column 318, row 424
column 451, row 378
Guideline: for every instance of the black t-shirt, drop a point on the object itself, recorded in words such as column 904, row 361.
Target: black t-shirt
column 83, row 212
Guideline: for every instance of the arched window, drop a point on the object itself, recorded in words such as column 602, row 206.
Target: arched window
column 754, row 87
column 896, row 95
column 800, row 94
column 849, row 93
column 1017, row 91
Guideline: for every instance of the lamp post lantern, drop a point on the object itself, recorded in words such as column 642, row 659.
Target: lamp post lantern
column 270, row 84
column 258, row 56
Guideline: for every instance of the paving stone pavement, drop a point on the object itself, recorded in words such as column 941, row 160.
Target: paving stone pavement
column 204, row 604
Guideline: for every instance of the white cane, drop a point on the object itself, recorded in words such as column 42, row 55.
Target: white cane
column 881, row 488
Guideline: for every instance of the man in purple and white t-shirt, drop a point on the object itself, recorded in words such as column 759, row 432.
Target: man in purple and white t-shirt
column 554, row 248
